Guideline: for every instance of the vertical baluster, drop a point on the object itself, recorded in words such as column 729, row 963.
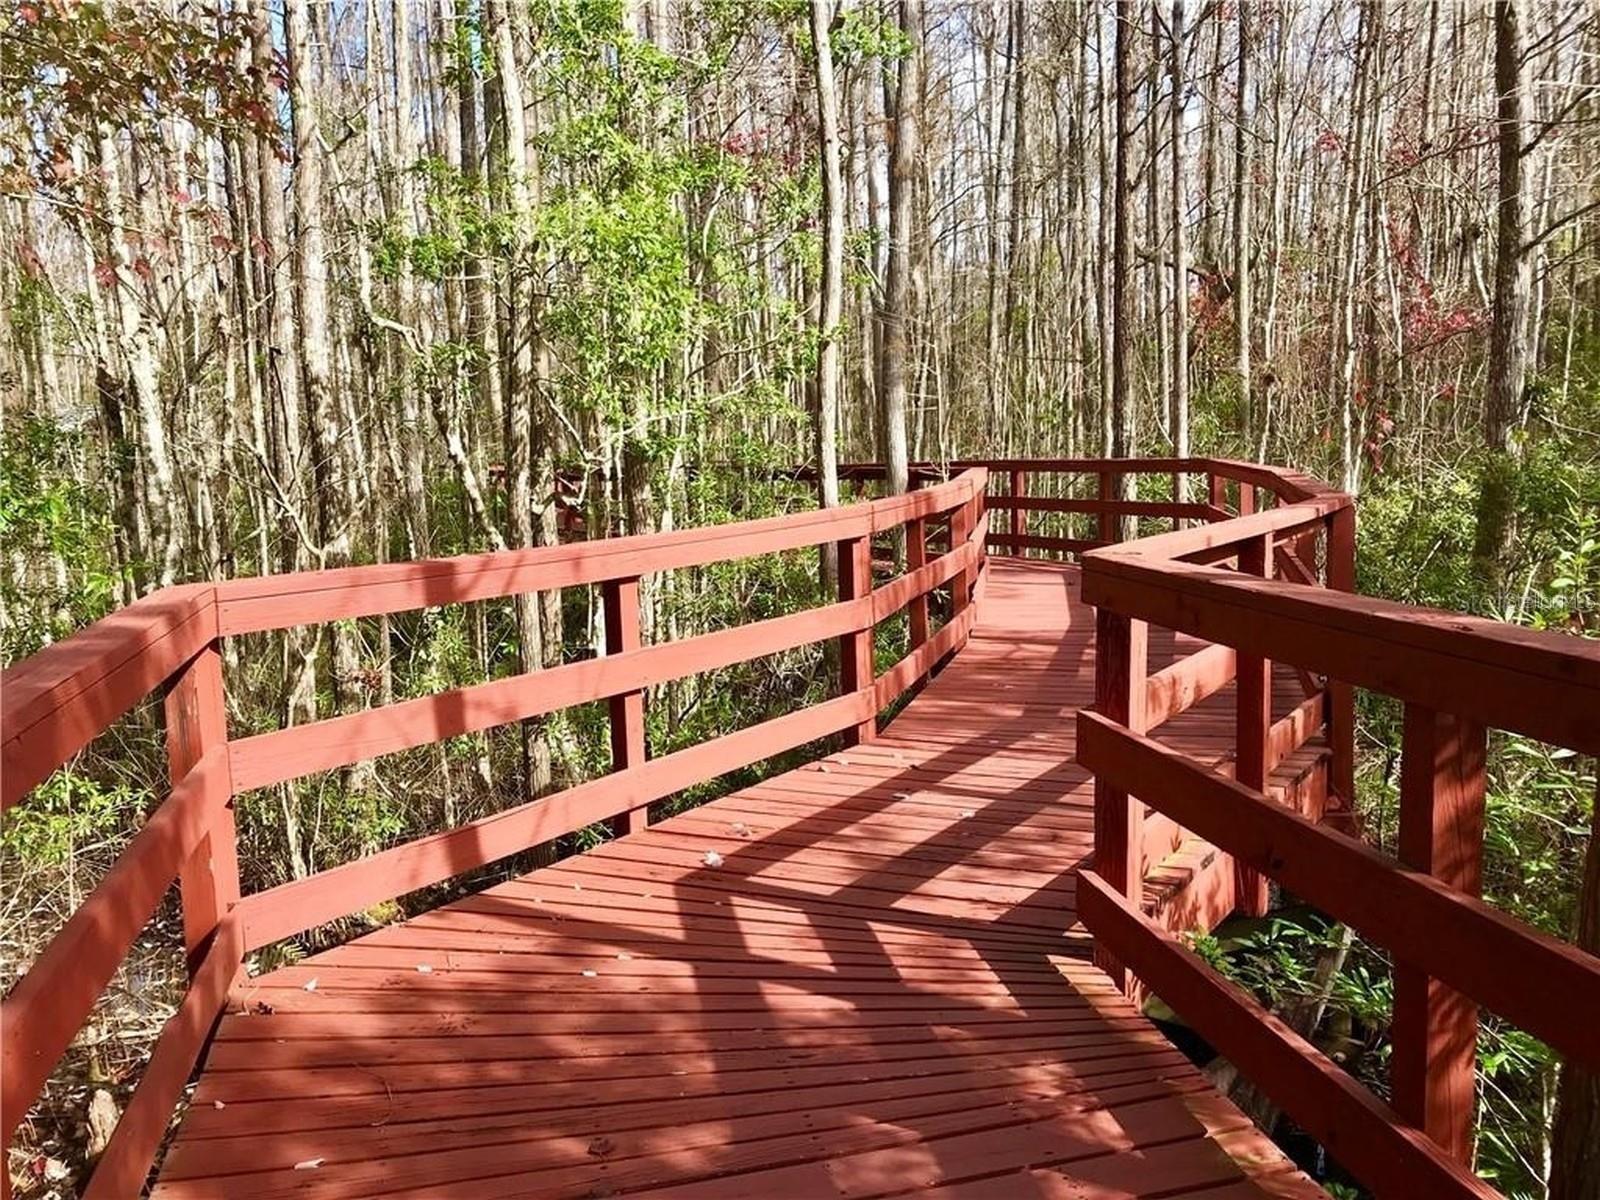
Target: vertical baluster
column 1109, row 527
column 855, row 649
column 1247, row 498
column 621, row 602
column 1217, row 492
column 197, row 722
column 1435, row 1029
column 1121, row 661
column 1341, row 696
column 1253, row 723
column 916, row 558
column 1019, row 519
column 960, row 533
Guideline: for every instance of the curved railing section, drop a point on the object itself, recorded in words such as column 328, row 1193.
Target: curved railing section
column 55, row 703
column 1248, row 587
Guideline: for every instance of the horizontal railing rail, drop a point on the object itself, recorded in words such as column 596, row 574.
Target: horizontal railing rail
column 1248, row 588
column 56, row 703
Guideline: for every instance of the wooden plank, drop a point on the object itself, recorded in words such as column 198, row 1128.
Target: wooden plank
column 1358, row 1130
column 1435, row 1028
column 197, row 723
column 620, row 598
column 916, row 560
column 1033, row 541
column 57, row 701
column 1095, row 505
column 1177, row 688
column 1121, row 655
column 289, row 908
column 282, row 601
column 855, row 648
column 122, row 1169
column 47, row 1007
column 1341, row 572
column 1253, row 716
column 1537, row 982
column 269, row 758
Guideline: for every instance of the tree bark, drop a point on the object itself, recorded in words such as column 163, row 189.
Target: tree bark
column 830, row 300
column 1122, row 434
column 895, row 312
column 1508, row 330
column 1180, row 255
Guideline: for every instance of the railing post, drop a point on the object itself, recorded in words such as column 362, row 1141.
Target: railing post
column 1121, row 661
column 1247, row 498
column 1217, row 491
column 917, row 558
column 1253, row 725
column 1341, row 555
column 620, row 599
column 1019, row 522
column 1435, row 1028
column 197, row 722
column 961, row 522
column 1108, row 492
column 855, row 649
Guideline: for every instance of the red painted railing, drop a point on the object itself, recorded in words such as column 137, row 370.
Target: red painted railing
column 1259, row 571
column 58, row 701
column 1457, row 676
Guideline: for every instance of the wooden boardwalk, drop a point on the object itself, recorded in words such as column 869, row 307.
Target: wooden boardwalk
column 862, row 978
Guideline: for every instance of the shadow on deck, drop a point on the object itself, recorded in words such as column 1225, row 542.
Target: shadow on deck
column 879, row 988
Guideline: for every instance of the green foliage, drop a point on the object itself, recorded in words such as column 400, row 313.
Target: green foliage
column 59, row 527
column 67, row 814
column 82, row 68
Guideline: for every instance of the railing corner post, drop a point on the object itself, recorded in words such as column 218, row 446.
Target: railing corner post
column 916, row 559
column 1019, row 518
column 197, row 723
column 1121, row 660
column 1341, row 574
column 620, row 599
column 855, row 648
column 1253, row 724
column 1109, row 523
column 1435, row 1028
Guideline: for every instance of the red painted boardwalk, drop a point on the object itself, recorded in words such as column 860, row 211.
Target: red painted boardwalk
column 876, row 989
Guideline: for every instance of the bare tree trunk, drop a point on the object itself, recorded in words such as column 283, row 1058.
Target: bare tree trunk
column 1575, row 1135
column 519, row 396
column 1121, row 314
column 895, row 312
column 829, row 367
column 331, row 469
column 1243, row 218
column 1180, row 256
column 1508, row 331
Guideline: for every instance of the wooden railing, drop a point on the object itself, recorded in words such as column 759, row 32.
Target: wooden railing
column 1259, row 571
column 57, row 702
column 1458, row 677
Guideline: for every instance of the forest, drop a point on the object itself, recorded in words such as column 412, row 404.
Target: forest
column 288, row 285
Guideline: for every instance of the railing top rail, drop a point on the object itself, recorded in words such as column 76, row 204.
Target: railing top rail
column 58, row 700
column 1541, row 684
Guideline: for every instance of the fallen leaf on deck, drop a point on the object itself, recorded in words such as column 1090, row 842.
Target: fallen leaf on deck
column 311, row 984
column 309, row 1164
column 712, row 859
column 601, row 1146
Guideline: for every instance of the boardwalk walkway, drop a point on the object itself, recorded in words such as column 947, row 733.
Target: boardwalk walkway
column 877, row 989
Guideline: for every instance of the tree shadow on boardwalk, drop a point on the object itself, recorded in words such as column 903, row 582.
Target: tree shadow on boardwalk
column 871, row 993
